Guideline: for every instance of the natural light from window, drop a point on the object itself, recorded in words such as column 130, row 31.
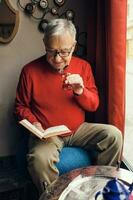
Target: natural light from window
column 128, row 140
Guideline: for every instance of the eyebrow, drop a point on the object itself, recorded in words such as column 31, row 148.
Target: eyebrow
column 61, row 50
column 58, row 49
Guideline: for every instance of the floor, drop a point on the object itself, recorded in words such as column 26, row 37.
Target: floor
column 128, row 141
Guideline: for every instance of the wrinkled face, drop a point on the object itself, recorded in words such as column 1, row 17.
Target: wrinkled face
column 59, row 50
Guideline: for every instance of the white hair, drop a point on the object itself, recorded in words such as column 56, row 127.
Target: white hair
column 59, row 27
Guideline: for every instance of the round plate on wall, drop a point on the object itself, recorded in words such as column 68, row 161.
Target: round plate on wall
column 59, row 2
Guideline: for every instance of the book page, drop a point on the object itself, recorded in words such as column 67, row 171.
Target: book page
column 56, row 130
column 31, row 128
column 52, row 131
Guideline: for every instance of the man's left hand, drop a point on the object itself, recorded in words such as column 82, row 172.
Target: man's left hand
column 75, row 81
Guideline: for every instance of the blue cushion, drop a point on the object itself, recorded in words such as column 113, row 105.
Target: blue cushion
column 72, row 158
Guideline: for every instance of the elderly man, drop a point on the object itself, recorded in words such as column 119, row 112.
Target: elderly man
column 57, row 89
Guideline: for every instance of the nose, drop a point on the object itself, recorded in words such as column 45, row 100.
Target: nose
column 57, row 57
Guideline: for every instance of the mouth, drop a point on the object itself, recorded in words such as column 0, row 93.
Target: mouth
column 58, row 65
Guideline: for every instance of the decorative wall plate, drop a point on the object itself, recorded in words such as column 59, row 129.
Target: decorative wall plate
column 59, row 2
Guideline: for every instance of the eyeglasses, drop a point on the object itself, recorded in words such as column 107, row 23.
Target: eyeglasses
column 61, row 53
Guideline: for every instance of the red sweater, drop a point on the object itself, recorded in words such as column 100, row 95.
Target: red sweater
column 41, row 97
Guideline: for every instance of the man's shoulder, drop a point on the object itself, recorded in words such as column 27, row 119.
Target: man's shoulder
column 80, row 60
column 35, row 63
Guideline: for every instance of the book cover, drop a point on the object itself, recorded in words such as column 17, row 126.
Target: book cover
column 49, row 132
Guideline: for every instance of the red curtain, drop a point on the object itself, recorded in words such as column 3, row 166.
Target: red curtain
column 106, row 46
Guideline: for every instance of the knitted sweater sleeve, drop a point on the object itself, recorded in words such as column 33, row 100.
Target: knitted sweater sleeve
column 23, row 98
column 89, row 99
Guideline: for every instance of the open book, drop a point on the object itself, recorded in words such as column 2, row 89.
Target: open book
column 49, row 132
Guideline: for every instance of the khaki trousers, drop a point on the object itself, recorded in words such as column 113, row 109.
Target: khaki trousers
column 43, row 154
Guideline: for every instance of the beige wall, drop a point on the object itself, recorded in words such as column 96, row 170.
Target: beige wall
column 26, row 46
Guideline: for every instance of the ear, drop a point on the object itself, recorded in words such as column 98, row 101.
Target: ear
column 75, row 43
column 75, row 46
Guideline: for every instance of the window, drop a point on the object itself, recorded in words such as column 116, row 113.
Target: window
column 128, row 140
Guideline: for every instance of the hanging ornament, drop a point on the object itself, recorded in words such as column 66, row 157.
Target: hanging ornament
column 29, row 8
column 43, row 4
column 69, row 14
column 42, row 25
column 54, row 11
column 59, row 2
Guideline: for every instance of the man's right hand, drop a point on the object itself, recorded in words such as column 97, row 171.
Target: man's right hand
column 38, row 126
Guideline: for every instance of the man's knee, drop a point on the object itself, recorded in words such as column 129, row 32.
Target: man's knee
column 114, row 132
column 42, row 159
column 111, row 137
column 115, row 136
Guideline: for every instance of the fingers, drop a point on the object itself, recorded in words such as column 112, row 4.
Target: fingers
column 74, row 79
column 73, row 82
column 38, row 126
